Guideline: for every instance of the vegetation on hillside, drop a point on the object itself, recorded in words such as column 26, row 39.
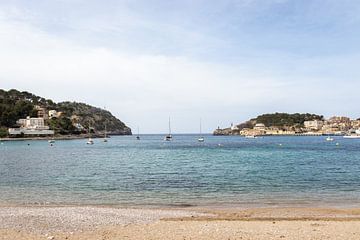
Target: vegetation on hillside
column 15, row 105
column 286, row 119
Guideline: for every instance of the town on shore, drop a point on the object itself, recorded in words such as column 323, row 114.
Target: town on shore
column 278, row 124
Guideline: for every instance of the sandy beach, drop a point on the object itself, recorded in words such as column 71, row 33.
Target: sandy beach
column 91, row 222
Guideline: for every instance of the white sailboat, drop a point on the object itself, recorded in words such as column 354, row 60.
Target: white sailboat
column 201, row 138
column 138, row 136
column 105, row 138
column 90, row 141
column 168, row 137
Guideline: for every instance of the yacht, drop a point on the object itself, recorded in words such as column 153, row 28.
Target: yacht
column 201, row 138
column 250, row 136
column 105, row 138
column 352, row 136
column 168, row 137
column 138, row 136
column 90, row 141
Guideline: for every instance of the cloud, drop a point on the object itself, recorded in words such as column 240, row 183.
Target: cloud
column 132, row 85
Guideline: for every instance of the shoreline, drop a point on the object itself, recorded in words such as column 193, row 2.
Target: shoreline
column 62, row 137
column 102, row 222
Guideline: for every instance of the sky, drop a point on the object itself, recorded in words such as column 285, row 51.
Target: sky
column 221, row 61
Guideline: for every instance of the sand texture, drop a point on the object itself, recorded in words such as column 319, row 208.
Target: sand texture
column 118, row 223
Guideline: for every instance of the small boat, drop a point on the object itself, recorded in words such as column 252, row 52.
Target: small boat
column 138, row 136
column 250, row 136
column 352, row 136
column 201, row 138
column 168, row 137
column 329, row 139
column 90, row 141
column 51, row 141
column 105, row 138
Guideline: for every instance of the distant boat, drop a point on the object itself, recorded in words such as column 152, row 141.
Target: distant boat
column 105, row 138
column 90, row 141
column 329, row 139
column 201, row 138
column 138, row 136
column 250, row 136
column 352, row 136
column 168, row 137
column 51, row 141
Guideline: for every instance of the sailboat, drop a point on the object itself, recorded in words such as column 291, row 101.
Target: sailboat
column 90, row 141
column 105, row 138
column 201, row 138
column 168, row 137
column 138, row 136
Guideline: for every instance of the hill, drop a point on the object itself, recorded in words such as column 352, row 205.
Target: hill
column 15, row 105
column 287, row 121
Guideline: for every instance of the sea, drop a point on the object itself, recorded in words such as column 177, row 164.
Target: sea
column 222, row 171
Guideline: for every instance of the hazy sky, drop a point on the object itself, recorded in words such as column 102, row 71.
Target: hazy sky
column 222, row 61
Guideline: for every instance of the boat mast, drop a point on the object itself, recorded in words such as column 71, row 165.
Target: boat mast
column 200, row 128
column 169, row 128
column 105, row 130
column 89, row 130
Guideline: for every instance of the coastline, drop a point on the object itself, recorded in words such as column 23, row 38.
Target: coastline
column 61, row 137
column 103, row 222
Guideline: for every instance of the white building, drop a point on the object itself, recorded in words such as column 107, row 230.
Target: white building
column 32, row 123
column 25, row 131
column 260, row 126
column 234, row 127
column 53, row 114
column 31, row 126
column 314, row 124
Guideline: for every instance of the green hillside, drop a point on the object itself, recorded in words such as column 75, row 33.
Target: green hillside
column 15, row 105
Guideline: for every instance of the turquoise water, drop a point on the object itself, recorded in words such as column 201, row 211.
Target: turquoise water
column 220, row 171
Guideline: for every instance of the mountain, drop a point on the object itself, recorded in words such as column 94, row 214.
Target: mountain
column 15, row 105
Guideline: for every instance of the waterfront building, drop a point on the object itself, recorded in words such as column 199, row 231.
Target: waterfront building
column 31, row 126
column 313, row 125
column 260, row 127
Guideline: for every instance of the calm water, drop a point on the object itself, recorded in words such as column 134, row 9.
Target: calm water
column 221, row 171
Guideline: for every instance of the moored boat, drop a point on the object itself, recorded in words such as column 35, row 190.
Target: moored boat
column 168, row 137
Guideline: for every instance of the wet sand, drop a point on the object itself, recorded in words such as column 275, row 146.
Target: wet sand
column 89, row 222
